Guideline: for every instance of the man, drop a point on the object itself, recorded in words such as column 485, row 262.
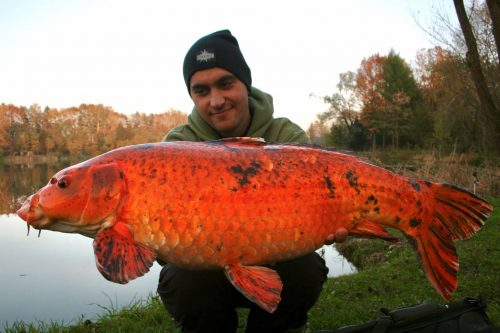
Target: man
column 226, row 105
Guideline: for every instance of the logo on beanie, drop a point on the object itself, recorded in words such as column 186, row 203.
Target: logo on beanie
column 205, row 56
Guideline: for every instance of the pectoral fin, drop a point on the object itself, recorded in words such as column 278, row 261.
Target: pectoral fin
column 119, row 257
column 261, row 285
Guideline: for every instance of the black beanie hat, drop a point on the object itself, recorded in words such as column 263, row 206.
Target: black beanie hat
column 219, row 49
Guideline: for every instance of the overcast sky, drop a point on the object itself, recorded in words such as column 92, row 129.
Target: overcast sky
column 128, row 54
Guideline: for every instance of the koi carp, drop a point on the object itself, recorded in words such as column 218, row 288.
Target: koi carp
column 238, row 204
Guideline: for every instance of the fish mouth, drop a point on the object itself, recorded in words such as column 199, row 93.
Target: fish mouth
column 32, row 214
column 34, row 218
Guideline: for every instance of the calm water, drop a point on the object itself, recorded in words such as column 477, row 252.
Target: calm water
column 53, row 277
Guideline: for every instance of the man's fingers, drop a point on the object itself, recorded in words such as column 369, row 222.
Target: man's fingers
column 339, row 236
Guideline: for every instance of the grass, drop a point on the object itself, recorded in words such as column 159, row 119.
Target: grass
column 473, row 172
column 140, row 316
column 389, row 277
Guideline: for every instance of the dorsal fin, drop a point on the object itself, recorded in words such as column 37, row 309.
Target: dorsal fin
column 238, row 141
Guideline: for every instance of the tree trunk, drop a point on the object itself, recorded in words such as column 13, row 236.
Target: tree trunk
column 490, row 111
column 494, row 9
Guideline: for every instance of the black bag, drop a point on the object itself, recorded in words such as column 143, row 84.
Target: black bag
column 467, row 316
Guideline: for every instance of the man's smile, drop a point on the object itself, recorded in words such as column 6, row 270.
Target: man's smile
column 219, row 112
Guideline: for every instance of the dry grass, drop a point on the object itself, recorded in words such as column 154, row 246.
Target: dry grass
column 473, row 172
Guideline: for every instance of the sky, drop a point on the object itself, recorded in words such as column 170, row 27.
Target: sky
column 128, row 54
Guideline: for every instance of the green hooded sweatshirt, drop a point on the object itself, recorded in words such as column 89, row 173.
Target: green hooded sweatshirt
column 263, row 125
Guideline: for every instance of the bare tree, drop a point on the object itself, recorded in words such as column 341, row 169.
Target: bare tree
column 494, row 8
column 490, row 111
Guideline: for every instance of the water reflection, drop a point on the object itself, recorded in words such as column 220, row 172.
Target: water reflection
column 53, row 277
column 18, row 181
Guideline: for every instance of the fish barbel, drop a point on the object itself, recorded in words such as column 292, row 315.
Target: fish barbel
column 237, row 204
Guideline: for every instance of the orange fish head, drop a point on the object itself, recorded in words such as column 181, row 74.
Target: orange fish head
column 81, row 199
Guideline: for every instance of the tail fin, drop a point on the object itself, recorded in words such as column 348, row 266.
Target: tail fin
column 458, row 214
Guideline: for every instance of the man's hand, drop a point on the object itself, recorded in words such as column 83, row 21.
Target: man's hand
column 339, row 236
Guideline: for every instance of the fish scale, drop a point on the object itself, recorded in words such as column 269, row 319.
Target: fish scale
column 269, row 219
column 240, row 204
column 238, row 188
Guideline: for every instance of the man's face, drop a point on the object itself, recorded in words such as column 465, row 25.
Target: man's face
column 221, row 100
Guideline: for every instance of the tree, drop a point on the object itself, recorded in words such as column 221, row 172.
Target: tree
column 356, row 138
column 472, row 45
column 11, row 117
column 494, row 9
column 390, row 96
column 335, row 126
column 89, row 129
column 473, row 60
column 369, row 82
column 317, row 132
column 448, row 94
column 343, row 105
column 402, row 94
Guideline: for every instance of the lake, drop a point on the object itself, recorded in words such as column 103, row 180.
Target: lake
column 53, row 278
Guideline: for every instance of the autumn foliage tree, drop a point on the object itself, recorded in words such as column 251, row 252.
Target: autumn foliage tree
column 466, row 107
column 390, row 99
column 449, row 99
column 89, row 129
column 369, row 81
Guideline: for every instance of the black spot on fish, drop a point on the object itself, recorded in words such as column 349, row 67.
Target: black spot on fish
column 237, row 169
column 353, row 180
column 414, row 222
column 397, row 219
column 415, row 185
column 256, row 165
column 330, row 186
column 245, row 173
column 251, row 171
column 371, row 199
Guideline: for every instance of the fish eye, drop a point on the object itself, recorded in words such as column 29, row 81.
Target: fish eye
column 63, row 183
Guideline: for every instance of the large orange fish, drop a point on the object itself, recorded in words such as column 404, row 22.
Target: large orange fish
column 238, row 204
